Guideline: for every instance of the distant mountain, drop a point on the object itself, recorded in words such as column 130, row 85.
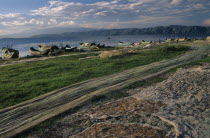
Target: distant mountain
column 54, row 31
column 160, row 30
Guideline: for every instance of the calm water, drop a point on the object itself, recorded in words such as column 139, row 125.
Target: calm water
column 23, row 44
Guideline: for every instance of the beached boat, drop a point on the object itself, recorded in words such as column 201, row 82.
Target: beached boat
column 124, row 43
column 35, row 52
column 47, row 47
column 169, row 40
column 146, row 42
column 89, row 46
column 68, row 48
column 182, row 39
column 8, row 53
column 51, row 49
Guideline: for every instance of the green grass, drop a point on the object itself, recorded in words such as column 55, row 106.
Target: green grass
column 1, row 61
column 8, row 60
column 28, row 80
column 167, row 48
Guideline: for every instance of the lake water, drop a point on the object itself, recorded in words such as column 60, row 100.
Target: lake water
column 23, row 44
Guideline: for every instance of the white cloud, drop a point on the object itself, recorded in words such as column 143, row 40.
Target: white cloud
column 199, row 6
column 31, row 22
column 63, row 24
column 104, row 14
column 101, row 13
column 146, row 21
column 115, row 8
column 10, row 15
column 53, row 21
column 176, row 2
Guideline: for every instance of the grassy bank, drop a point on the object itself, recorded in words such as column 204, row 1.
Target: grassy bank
column 25, row 81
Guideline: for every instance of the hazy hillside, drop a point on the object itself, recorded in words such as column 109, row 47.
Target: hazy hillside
column 48, row 31
column 160, row 30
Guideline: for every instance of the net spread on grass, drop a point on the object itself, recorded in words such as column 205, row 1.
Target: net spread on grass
column 155, row 111
column 187, row 96
column 46, row 106
column 126, row 106
column 121, row 130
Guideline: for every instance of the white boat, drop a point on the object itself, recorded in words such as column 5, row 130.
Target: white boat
column 124, row 43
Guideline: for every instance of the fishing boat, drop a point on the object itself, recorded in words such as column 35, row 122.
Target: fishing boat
column 169, row 40
column 124, row 43
column 47, row 47
column 146, row 42
column 68, row 48
column 89, row 46
column 35, row 52
column 8, row 53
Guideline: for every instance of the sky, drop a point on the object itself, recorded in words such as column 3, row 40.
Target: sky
column 17, row 16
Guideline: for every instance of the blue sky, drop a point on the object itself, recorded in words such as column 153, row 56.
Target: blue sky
column 8, row 6
column 24, row 6
column 17, row 16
